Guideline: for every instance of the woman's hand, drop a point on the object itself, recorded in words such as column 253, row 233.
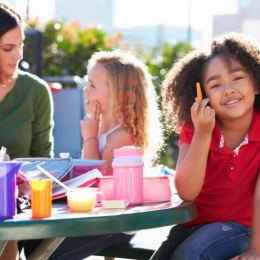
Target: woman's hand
column 90, row 125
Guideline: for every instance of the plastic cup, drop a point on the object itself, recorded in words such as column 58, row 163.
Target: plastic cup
column 83, row 199
column 8, row 172
column 41, row 197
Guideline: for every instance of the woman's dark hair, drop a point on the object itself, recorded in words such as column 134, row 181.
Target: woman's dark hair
column 9, row 19
column 179, row 85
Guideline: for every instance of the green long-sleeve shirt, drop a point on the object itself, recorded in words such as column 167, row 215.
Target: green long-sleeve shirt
column 26, row 118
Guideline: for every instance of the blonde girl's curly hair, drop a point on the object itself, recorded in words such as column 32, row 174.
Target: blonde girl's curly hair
column 133, row 99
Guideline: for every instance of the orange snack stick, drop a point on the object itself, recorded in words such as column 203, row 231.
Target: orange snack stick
column 199, row 93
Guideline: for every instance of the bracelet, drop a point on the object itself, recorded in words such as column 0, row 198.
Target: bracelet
column 89, row 139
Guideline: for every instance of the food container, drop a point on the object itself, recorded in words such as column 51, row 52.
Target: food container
column 155, row 188
column 82, row 166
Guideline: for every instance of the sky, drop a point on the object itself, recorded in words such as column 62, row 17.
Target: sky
column 129, row 13
column 170, row 12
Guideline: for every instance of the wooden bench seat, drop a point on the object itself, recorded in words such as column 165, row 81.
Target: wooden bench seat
column 142, row 246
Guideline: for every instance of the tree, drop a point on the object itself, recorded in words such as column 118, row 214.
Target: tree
column 159, row 62
column 66, row 47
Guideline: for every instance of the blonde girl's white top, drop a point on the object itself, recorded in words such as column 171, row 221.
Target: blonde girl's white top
column 102, row 139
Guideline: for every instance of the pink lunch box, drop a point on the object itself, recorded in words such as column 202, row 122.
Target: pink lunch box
column 155, row 188
column 81, row 166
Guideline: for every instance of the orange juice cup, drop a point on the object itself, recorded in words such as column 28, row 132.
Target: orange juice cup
column 83, row 199
column 41, row 197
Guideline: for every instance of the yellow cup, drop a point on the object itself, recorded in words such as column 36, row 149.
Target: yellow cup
column 41, row 197
column 82, row 199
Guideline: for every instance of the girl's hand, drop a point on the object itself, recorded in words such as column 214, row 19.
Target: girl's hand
column 90, row 125
column 249, row 255
column 203, row 117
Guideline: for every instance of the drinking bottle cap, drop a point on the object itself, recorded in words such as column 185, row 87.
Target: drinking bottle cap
column 128, row 151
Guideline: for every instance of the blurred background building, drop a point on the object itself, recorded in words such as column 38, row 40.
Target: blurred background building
column 152, row 22
column 246, row 20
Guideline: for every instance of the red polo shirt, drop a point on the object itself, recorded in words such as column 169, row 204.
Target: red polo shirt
column 228, row 189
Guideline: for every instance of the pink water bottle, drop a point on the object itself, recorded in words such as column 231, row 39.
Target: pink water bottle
column 128, row 174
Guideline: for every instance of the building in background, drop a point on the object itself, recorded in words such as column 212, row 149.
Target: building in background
column 246, row 20
column 31, row 9
column 87, row 12
column 153, row 28
column 103, row 12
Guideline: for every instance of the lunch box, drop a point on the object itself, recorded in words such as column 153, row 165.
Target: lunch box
column 155, row 188
column 82, row 166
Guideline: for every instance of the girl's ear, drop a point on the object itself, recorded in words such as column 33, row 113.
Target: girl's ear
column 257, row 89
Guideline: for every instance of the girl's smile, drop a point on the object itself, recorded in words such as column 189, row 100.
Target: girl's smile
column 231, row 102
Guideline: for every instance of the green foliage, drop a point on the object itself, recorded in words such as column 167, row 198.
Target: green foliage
column 66, row 49
column 159, row 61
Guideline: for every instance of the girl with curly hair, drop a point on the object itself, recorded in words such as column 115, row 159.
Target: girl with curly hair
column 122, row 107
column 219, row 150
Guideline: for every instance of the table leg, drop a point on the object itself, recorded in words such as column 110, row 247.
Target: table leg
column 2, row 246
column 46, row 248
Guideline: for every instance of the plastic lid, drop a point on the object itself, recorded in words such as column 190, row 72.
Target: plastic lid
column 135, row 160
column 128, row 151
column 64, row 155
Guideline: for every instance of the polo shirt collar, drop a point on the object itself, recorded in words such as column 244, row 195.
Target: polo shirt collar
column 253, row 134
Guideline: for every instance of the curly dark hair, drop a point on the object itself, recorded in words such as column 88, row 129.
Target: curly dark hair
column 179, row 85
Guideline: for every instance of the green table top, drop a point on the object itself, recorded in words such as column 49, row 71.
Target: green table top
column 62, row 223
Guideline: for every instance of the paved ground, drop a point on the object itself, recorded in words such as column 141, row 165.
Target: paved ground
column 159, row 233
column 148, row 234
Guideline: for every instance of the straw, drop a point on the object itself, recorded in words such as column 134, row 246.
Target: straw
column 52, row 177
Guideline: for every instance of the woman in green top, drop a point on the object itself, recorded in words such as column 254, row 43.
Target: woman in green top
column 26, row 107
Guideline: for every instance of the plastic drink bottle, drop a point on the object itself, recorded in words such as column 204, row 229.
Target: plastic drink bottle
column 128, row 174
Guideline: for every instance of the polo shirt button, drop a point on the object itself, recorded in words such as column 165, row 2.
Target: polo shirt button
column 234, row 155
column 231, row 168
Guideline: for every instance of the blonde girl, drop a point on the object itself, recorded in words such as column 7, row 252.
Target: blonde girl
column 121, row 105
